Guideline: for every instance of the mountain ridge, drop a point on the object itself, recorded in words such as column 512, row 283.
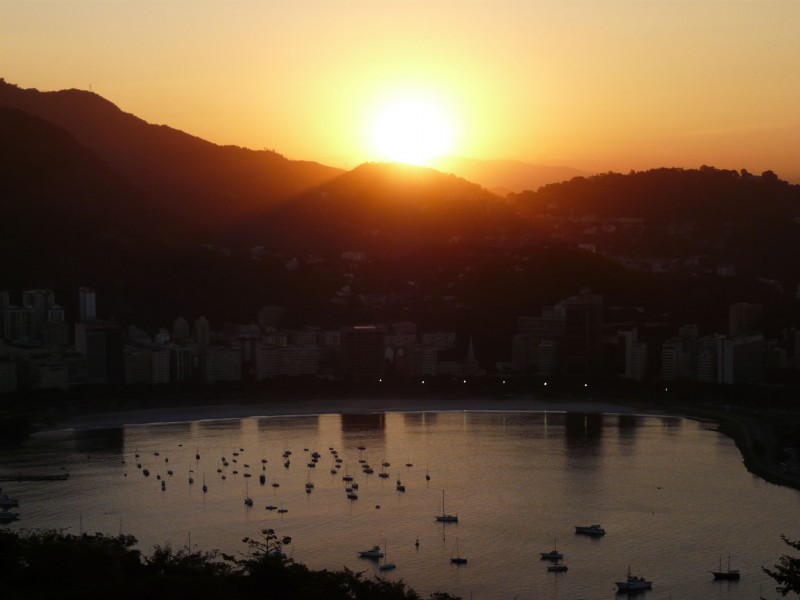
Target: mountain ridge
column 206, row 183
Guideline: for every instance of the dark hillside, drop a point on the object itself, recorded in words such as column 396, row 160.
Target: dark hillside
column 384, row 209
column 202, row 184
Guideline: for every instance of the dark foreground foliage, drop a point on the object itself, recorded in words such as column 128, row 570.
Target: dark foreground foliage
column 787, row 572
column 52, row 564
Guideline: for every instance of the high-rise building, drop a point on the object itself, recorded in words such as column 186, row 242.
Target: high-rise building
column 201, row 331
column 180, row 330
column 87, row 304
column 363, row 352
column 221, row 363
column 743, row 359
column 710, row 365
column 101, row 344
column 8, row 375
column 583, row 339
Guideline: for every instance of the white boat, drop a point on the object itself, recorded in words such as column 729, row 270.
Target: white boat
column 444, row 517
column 374, row 552
column 633, row 583
column 729, row 575
column 593, row 530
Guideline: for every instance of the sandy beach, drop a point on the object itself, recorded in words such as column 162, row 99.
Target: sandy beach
column 315, row 406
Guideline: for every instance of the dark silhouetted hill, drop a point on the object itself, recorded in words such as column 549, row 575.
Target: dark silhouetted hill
column 386, row 209
column 58, row 199
column 200, row 183
column 709, row 216
column 660, row 195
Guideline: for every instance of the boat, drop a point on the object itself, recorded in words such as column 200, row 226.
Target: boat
column 444, row 517
column 386, row 566
column 163, row 485
column 262, row 479
column 592, row 530
column 374, row 552
column 557, row 568
column 248, row 501
column 7, row 501
column 271, row 507
column 205, row 487
column 554, row 554
column 6, row 516
column 633, row 583
column 727, row 575
column 400, row 487
column 455, row 557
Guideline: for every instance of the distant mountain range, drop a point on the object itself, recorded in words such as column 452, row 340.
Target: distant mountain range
column 91, row 195
column 79, row 174
column 506, row 176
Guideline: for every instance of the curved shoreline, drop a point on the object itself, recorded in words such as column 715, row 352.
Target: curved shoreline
column 754, row 437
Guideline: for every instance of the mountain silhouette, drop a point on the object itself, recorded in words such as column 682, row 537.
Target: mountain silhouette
column 383, row 208
column 201, row 183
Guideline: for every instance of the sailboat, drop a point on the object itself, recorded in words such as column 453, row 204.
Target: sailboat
column 205, row 487
column 729, row 575
column 554, row 554
column 386, row 566
column 247, row 499
column 444, row 517
column 455, row 557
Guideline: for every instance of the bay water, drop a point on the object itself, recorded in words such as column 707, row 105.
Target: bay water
column 672, row 494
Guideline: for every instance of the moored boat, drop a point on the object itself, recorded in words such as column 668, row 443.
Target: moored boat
column 593, row 530
column 633, row 583
column 727, row 575
column 374, row 552
column 444, row 517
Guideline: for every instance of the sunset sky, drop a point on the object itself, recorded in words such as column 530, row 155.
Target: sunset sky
column 598, row 85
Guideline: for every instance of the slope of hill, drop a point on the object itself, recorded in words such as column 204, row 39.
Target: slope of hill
column 205, row 184
column 63, row 209
column 707, row 215
column 383, row 208
column 506, row 176
column 659, row 195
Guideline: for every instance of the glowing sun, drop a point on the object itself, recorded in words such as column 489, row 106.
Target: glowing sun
column 411, row 130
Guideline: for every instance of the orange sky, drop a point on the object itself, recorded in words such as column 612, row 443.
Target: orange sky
column 596, row 84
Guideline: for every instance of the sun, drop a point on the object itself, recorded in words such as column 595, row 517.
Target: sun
column 411, row 130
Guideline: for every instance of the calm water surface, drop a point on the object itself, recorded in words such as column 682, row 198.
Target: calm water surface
column 671, row 493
